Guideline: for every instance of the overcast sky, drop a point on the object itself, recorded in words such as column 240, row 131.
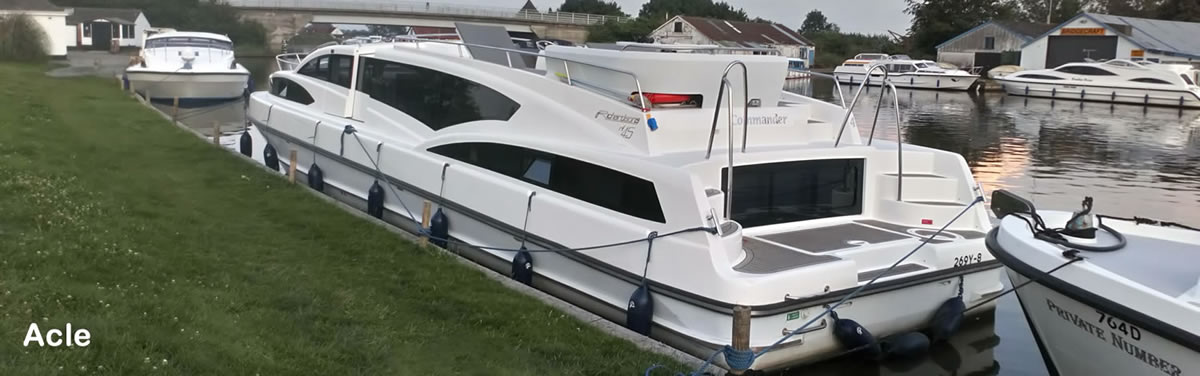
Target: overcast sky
column 862, row 16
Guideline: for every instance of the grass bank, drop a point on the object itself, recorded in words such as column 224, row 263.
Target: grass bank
column 180, row 258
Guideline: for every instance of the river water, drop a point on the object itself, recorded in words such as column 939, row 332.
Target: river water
column 1134, row 161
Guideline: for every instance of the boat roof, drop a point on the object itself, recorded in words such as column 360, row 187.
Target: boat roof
column 191, row 34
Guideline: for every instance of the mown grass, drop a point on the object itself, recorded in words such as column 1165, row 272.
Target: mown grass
column 180, row 258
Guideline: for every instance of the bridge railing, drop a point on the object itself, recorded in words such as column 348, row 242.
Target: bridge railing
column 429, row 8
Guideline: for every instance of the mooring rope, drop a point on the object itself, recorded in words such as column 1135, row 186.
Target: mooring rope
column 1073, row 256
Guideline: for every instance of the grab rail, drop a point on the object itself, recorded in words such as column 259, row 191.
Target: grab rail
column 567, row 70
column 885, row 86
column 727, row 86
column 289, row 61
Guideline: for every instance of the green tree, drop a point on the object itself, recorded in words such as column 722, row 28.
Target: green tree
column 935, row 21
column 1035, row 10
column 592, row 7
column 1129, row 8
column 1180, row 10
column 637, row 30
column 834, row 47
column 815, row 22
column 662, row 9
column 21, row 39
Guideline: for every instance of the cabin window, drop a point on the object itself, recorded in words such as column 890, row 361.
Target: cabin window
column 1085, row 70
column 439, row 100
column 989, row 43
column 286, row 89
column 1150, row 80
column 1187, row 79
column 1038, row 77
column 679, row 27
column 766, row 194
column 330, row 68
column 87, row 30
column 597, row 185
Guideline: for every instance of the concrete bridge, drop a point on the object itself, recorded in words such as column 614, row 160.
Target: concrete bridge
column 285, row 18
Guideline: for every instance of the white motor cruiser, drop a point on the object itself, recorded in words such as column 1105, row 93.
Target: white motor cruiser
column 604, row 166
column 188, row 65
column 904, row 72
column 1115, row 81
column 1120, row 299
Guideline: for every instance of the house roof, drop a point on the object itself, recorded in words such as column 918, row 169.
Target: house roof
column 529, row 7
column 745, row 34
column 1171, row 37
column 1025, row 30
column 117, row 15
column 1029, row 30
column 28, row 5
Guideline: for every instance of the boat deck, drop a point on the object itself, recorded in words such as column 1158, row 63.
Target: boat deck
column 777, row 252
column 1163, row 265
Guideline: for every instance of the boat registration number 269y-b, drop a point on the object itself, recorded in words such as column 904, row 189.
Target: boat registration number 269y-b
column 965, row 260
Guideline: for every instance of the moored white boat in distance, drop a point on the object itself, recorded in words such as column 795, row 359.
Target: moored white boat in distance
column 1121, row 299
column 606, row 146
column 1115, row 81
column 903, row 72
column 191, row 66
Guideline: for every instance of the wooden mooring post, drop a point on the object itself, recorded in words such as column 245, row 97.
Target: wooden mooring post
column 292, row 166
column 175, row 110
column 741, row 331
column 217, row 132
column 426, row 209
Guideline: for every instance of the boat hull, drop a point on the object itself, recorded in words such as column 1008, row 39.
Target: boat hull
column 912, row 81
column 1083, row 338
column 190, row 86
column 1151, row 97
column 695, row 326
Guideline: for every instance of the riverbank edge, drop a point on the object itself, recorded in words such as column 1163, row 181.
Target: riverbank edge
column 608, row 327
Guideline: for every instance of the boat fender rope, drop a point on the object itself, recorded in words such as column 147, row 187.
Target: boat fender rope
column 649, row 247
column 348, row 130
column 961, row 280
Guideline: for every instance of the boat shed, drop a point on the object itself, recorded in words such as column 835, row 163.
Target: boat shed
column 990, row 44
column 1101, row 36
column 50, row 17
column 708, row 31
column 104, row 28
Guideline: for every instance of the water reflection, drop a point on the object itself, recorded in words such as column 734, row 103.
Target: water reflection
column 1134, row 160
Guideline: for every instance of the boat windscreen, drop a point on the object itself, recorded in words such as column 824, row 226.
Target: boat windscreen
column 189, row 42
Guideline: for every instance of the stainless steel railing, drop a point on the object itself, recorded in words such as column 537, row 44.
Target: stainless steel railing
column 726, row 86
column 710, row 49
column 885, row 86
column 425, row 7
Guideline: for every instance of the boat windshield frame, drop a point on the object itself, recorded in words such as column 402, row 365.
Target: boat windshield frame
column 194, row 42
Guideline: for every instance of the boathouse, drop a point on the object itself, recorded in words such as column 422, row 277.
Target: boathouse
column 50, row 17
column 104, row 28
column 699, row 30
column 1101, row 36
column 990, row 44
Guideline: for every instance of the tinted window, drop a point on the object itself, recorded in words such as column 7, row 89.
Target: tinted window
column 773, row 193
column 437, row 99
column 331, row 68
column 285, row 88
column 587, row 182
column 1150, row 81
column 1087, row 71
column 1187, row 79
column 1038, row 77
